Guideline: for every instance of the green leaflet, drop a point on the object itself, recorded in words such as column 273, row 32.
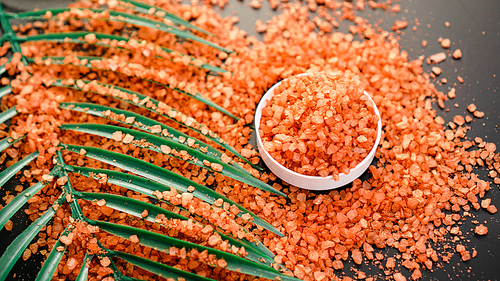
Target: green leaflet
column 7, row 114
column 129, row 205
column 147, row 187
column 156, row 267
column 77, row 38
column 10, row 209
column 84, row 270
column 50, row 264
column 161, row 176
column 142, row 101
column 163, row 243
column 8, row 141
column 5, row 90
column 136, row 207
column 129, row 72
column 16, row 167
column 16, row 248
column 116, row 272
column 145, row 123
column 122, row 17
column 144, row 8
column 175, row 149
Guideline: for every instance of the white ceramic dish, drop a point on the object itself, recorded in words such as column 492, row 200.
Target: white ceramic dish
column 311, row 182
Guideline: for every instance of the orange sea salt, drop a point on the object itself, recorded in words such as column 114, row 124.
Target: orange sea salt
column 307, row 221
column 319, row 124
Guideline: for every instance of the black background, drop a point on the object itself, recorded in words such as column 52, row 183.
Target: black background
column 475, row 29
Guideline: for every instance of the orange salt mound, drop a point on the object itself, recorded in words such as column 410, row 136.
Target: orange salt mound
column 321, row 124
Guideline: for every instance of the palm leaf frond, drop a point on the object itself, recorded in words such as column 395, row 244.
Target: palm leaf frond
column 174, row 149
column 16, row 248
column 152, row 126
column 17, row 202
column 164, row 243
column 8, row 173
column 109, row 15
column 142, row 101
column 84, row 269
column 8, row 141
column 246, row 255
column 162, row 176
column 145, row 8
column 50, row 264
column 132, row 70
column 102, row 40
column 7, row 114
column 5, row 90
column 149, row 188
column 136, row 208
column 157, row 268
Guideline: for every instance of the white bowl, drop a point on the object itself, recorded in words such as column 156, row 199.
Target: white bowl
column 311, row 182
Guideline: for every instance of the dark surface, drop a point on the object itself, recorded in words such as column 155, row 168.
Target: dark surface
column 475, row 29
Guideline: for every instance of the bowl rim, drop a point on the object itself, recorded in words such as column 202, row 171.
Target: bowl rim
column 258, row 115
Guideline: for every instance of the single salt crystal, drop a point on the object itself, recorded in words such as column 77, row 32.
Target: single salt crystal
column 437, row 58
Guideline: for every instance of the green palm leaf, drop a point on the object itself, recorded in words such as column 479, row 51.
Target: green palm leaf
column 155, row 143
column 16, row 167
column 77, row 38
column 84, row 270
column 16, row 248
column 143, row 101
column 157, row 268
column 15, row 204
column 146, row 124
column 7, row 114
column 151, row 171
column 91, row 59
column 5, row 90
column 151, row 178
column 144, row 8
column 136, row 207
column 161, row 176
column 121, row 17
column 8, row 141
column 148, row 187
column 50, row 264
column 163, row 243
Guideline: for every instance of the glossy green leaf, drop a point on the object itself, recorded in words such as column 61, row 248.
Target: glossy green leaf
column 17, row 247
column 7, row 114
column 5, row 90
column 144, row 8
column 155, row 143
column 90, row 59
column 162, row 176
column 130, row 206
column 135, row 208
column 125, row 18
column 147, row 187
column 8, row 141
column 157, row 268
column 77, row 38
column 8, row 173
column 141, row 100
column 52, row 261
column 145, row 123
column 163, row 243
column 84, row 269
column 15, row 204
